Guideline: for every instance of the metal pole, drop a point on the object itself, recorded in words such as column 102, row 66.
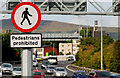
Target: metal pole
column 27, row 60
column 27, row 63
column 79, row 27
column 101, row 45
column 53, row 49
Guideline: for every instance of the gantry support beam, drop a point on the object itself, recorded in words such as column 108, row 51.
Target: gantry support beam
column 66, row 7
column 69, row 13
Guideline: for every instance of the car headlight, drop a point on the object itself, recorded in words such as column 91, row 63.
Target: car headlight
column 57, row 74
column 14, row 74
column 48, row 70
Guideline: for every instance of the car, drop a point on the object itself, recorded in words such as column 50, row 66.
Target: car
column 38, row 58
column 7, row 68
column 99, row 74
column 70, row 57
column 80, row 74
column 50, row 69
column 17, row 72
column 52, row 59
column 0, row 72
column 45, row 63
column 60, row 72
column 115, row 76
column 37, row 74
column 35, row 63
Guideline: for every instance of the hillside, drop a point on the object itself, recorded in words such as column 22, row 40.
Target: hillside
column 92, row 55
column 44, row 27
column 57, row 27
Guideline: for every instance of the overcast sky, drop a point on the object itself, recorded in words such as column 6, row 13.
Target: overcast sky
column 109, row 21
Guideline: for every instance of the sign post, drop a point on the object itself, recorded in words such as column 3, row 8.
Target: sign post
column 26, row 17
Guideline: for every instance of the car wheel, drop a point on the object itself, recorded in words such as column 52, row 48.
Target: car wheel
column 41, row 67
column 12, row 76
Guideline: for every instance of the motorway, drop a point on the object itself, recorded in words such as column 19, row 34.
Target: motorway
column 60, row 64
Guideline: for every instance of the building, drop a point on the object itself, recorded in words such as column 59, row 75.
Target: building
column 75, row 46
column 65, row 48
column 69, row 47
column 45, row 50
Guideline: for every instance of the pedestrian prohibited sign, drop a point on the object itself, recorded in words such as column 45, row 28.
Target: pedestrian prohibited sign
column 26, row 17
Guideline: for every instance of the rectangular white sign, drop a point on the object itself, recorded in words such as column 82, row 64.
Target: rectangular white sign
column 25, row 40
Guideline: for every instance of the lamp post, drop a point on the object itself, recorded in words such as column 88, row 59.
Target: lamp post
column 101, row 45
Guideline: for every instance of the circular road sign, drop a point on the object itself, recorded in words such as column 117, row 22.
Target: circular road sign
column 26, row 17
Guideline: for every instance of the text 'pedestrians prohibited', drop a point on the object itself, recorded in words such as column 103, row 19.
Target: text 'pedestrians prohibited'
column 26, row 17
column 25, row 40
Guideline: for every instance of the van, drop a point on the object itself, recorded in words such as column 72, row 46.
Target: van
column 52, row 60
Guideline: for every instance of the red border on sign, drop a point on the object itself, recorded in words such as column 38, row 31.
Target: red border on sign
column 38, row 21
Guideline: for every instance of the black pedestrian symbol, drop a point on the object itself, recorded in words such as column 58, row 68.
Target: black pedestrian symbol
column 26, row 13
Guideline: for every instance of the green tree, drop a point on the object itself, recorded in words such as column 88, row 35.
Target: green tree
column 68, row 53
column 8, row 53
column 86, row 32
column 116, row 57
column 52, row 53
column 61, row 53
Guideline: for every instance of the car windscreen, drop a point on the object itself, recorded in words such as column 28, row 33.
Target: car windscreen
column 16, row 69
column 103, row 74
column 52, row 58
column 37, row 73
column 60, row 69
column 34, row 60
column 6, row 65
column 81, row 73
column 51, row 67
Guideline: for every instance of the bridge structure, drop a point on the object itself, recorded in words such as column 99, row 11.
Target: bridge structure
column 67, row 7
column 60, row 36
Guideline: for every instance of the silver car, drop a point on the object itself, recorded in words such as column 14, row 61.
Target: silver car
column 7, row 68
column 60, row 72
column 0, row 72
column 16, row 72
column 50, row 69
column 35, row 63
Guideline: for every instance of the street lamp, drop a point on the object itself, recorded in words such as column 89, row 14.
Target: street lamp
column 101, row 45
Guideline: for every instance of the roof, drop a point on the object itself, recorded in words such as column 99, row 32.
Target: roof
column 80, row 71
column 37, row 71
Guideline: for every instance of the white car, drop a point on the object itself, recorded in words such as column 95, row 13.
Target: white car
column 60, row 72
column 38, row 58
column 50, row 69
column 52, row 59
column 35, row 63
column 70, row 57
column 7, row 68
column 17, row 72
column 0, row 72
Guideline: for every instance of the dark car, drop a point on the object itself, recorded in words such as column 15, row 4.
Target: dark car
column 99, row 74
column 45, row 63
column 80, row 74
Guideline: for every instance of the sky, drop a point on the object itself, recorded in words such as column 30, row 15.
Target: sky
column 107, row 21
